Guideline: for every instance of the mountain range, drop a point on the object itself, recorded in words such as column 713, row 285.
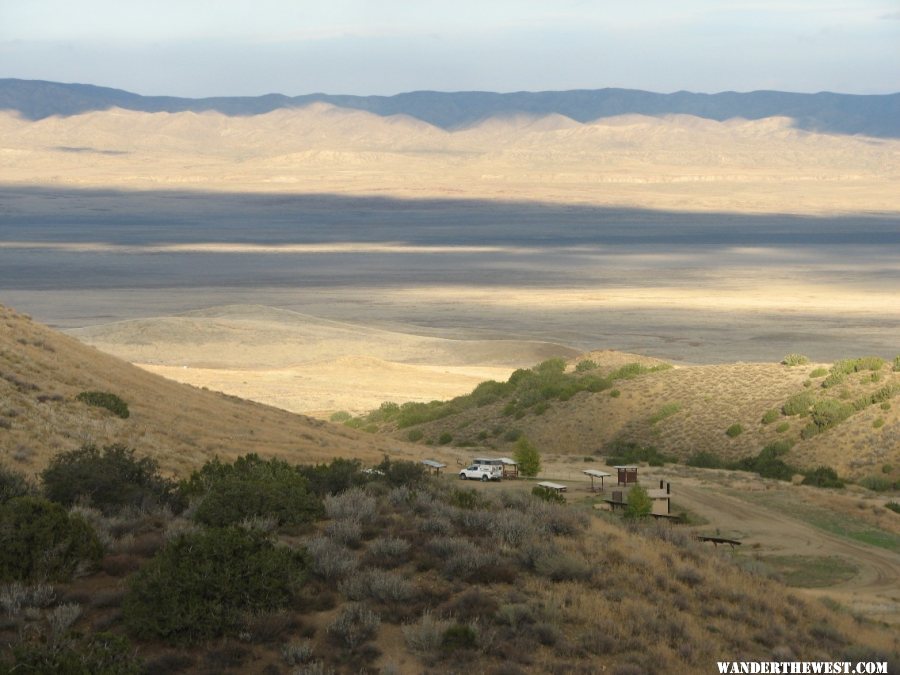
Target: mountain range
column 870, row 115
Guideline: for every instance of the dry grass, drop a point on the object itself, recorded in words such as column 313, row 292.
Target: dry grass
column 179, row 425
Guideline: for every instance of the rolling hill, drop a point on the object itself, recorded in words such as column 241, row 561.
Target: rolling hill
column 43, row 371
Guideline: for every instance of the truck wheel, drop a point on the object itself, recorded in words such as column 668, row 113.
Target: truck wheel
column 462, row 476
column 484, row 479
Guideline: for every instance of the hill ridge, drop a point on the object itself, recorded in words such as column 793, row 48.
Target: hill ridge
column 873, row 115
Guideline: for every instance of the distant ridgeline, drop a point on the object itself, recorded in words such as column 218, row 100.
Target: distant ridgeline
column 871, row 115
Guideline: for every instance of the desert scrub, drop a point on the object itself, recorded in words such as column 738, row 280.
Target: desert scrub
column 379, row 586
column 798, row 404
column 101, row 653
column 823, row 476
column 734, row 431
column 425, row 636
column 585, row 364
column 354, row 625
column 329, row 560
column 104, row 399
column 770, row 416
column 781, row 427
column 818, row 372
column 13, row 484
column 792, row 360
column 109, row 479
column 251, row 487
column 40, row 540
column 354, row 504
column 202, row 585
column 878, row 423
column 705, row 460
column 340, row 416
column 388, row 551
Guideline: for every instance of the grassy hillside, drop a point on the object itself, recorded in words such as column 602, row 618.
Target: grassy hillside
column 42, row 373
column 842, row 415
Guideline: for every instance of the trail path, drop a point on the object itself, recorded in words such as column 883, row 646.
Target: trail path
column 874, row 591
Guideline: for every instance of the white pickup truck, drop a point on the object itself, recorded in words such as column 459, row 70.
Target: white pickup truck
column 483, row 472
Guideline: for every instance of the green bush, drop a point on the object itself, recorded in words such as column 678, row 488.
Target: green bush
column 878, row 423
column 444, row 438
column 879, row 483
column 781, row 427
column 528, row 458
column 828, row 412
column 768, row 463
column 401, row 473
column 615, row 393
column 329, row 479
column 97, row 654
column 203, row 585
column 770, row 416
column 340, row 416
column 415, row 435
column 833, row 380
column 585, row 364
column 459, row 636
column 798, row 404
column 896, row 365
column 792, row 360
column 705, row 460
column 13, row 484
column 110, row 479
column 629, row 452
column 734, row 431
column 823, row 476
column 819, row 372
column 253, row 487
column 639, row 503
column 103, row 399
column 893, row 506
column 39, row 540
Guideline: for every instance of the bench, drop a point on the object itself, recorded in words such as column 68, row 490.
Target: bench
column 556, row 487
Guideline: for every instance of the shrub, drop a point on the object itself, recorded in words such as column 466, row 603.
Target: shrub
column 896, row 364
column 705, row 460
column 823, row 476
column 734, row 430
column 252, row 487
column 615, row 393
column 39, row 540
column 329, row 479
column 13, row 484
column 833, row 380
column 201, row 585
column 101, row 653
column 388, row 551
column 639, row 503
column 110, row 479
column 559, row 566
column 340, row 416
column 798, row 404
column 548, row 495
column 782, row 427
column 528, row 458
column 770, row 416
column 377, row 585
column 103, row 399
column 354, row 625
column 878, row 483
column 878, row 423
column 402, row 473
column 414, row 435
column 426, row 635
column 459, row 636
column 792, row 360
column 893, row 506
column 444, row 438
column 328, row 560
column 829, row 412
column 819, row 372
column 353, row 504
column 585, row 364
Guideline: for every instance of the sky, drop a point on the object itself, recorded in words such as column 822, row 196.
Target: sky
column 199, row 48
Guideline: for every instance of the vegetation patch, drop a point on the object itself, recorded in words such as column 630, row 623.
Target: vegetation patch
column 792, row 360
column 667, row 410
column 734, row 431
column 630, row 452
column 109, row 479
column 203, row 584
column 811, row 571
column 104, row 399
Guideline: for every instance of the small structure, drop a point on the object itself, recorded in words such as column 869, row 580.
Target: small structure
column 556, row 487
column 510, row 467
column 593, row 473
column 662, row 499
column 434, row 466
column 627, row 475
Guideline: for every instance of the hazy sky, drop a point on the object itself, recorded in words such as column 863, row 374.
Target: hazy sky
column 250, row 47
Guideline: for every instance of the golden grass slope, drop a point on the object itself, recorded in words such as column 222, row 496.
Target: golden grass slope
column 676, row 162
column 307, row 364
column 42, row 371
